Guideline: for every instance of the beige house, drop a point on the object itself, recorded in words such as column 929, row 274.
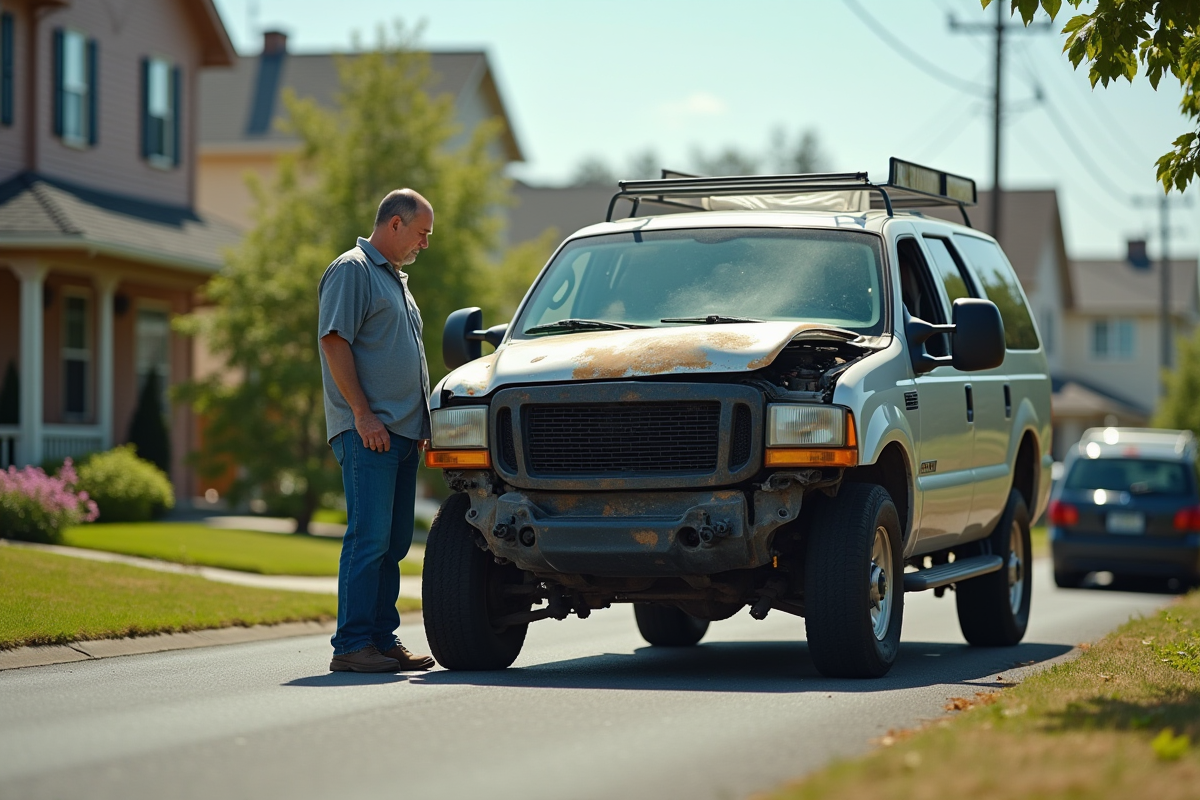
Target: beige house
column 100, row 240
column 242, row 109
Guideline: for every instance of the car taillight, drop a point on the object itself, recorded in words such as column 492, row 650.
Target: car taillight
column 1063, row 514
column 1188, row 519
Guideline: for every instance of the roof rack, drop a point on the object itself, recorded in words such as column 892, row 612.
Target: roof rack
column 909, row 186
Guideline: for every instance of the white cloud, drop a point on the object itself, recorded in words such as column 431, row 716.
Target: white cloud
column 697, row 104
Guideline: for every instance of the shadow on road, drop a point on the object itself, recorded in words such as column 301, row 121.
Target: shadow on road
column 762, row 667
column 348, row 679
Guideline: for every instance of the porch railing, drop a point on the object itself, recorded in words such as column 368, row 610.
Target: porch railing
column 10, row 445
column 70, row 441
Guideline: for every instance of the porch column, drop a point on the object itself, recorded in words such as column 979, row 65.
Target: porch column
column 106, row 290
column 33, row 280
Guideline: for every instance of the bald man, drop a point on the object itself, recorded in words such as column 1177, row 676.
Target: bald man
column 377, row 416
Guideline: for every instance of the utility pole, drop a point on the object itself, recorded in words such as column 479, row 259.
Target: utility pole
column 997, row 30
column 1165, row 328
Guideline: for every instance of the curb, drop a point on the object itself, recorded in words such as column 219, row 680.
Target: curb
column 45, row 655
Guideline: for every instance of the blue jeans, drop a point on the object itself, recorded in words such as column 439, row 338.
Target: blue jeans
column 380, row 490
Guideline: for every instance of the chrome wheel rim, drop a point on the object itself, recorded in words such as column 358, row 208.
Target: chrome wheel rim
column 1016, row 568
column 880, row 587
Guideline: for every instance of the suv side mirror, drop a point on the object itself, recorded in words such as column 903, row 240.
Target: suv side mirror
column 462, row 339
column 976, row 337
column 978, row 340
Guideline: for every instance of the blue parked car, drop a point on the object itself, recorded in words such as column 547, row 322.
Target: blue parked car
column 1128, row 503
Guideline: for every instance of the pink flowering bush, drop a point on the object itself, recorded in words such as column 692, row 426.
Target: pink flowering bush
column 36, row 507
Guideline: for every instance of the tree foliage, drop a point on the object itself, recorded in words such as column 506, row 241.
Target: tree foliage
column 1116, row 36
column 385, row 132
column 1179, row 408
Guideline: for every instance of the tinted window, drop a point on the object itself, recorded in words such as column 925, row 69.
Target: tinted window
column 1130, row 475
column 947, row 268
column 1001, row 287
column 818, row 276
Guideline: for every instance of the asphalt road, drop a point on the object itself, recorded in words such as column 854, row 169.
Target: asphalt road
column 588, row 712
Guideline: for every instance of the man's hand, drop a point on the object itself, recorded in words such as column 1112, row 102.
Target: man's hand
column 374, row 435
column 422, row 445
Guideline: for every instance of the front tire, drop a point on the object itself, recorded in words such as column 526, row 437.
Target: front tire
column 463, row 594
column 853, row 583
column 993, row 609
column 667, row 626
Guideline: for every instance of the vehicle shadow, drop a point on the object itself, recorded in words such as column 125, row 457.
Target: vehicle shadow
column 760, row 667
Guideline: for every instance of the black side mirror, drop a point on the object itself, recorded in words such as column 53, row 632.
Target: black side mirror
column 978, row 340
column 462, row 339
column 976, row 337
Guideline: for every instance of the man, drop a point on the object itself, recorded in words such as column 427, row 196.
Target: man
column 377, row 416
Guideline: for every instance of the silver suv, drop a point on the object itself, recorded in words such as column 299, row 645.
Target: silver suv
column 777, row 392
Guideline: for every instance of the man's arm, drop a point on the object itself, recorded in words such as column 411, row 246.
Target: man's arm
column 345, row 375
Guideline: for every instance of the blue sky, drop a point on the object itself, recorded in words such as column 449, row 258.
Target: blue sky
column 614, row 79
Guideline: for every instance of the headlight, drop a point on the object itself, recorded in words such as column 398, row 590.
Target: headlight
column 805, row 426
column 454, row 428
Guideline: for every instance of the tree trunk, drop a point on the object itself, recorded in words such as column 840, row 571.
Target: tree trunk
column 307, row 508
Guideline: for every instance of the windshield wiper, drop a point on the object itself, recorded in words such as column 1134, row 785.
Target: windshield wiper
column 572, row 324
column 711, row 319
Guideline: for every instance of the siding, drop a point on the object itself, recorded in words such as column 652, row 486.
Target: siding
column 126, row 33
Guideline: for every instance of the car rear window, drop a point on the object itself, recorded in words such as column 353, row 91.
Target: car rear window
column 1140, row 476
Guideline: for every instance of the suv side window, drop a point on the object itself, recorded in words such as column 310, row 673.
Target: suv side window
column 919, row 293
column 949, row 269
column 1000, row 285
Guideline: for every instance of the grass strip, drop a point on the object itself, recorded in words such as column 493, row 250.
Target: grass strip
column 1120, row 721
column 191, row 543
column 52, row 599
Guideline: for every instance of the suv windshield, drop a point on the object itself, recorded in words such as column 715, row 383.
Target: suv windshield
column 640, row 279
column 1140, row 476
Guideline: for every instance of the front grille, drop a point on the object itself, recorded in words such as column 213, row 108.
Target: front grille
column 742, row 441
column 508, row 449
column 624, row 439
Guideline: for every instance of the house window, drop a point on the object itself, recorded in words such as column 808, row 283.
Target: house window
column 1113, row 340
column 160, row 112
column 154, row 350
column 76, row 355
column 75, row 89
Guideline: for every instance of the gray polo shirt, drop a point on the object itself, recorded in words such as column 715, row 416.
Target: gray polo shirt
column 366, row 301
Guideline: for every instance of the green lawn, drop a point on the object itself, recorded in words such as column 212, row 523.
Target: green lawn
column 1040, row 538
column 188, row 543
column 1120, row 721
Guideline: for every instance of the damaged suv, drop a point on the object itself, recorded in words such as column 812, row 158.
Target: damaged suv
column 758, row 391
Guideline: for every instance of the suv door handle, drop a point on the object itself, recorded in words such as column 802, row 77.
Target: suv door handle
column 970, row 404
column 1007, row 402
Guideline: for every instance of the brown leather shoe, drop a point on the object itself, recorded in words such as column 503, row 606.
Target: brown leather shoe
column 407, row 660
column 368, row 659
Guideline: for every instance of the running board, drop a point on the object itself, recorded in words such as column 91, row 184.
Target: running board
column 944, row 574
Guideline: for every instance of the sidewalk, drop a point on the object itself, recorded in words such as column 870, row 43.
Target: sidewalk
column 410, row 585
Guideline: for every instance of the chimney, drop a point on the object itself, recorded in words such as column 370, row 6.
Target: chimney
column 274, row 43
column 1136, row 254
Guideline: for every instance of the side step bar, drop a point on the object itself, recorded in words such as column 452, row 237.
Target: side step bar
column 945, row 574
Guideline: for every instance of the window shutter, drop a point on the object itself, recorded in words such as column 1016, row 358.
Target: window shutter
column 93, row 63
column 6, row 69
column 145, row 108
column 176, row 113
column 59, row 74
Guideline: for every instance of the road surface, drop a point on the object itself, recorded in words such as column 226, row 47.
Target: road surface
column 589, row 711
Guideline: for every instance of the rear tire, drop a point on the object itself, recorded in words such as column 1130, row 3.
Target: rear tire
column 667, row 626
column 993, row 609
column 853, row 583
column 462, row 593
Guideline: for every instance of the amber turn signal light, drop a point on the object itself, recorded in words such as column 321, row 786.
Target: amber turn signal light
column 458, row 459
column 811, row 457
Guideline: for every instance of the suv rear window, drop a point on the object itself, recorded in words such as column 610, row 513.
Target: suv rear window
column 1139, row 476
column 1001, row 287
column 830, row 277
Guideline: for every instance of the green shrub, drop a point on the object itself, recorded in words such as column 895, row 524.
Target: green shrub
column 125, row 487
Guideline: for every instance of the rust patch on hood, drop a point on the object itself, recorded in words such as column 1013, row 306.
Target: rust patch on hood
column 658, row 356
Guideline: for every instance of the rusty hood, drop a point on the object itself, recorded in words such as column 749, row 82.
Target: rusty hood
column 612, row 355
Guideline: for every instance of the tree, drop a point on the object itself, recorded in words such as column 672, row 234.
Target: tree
column 1179, row 408
column 796, row 157
column 729, row 161
column 386, row 132
column 1118, row 34
column 148, row 430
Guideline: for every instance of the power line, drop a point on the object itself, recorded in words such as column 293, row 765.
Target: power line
column 1075, row 145
column 955, row 129
column 911, row 56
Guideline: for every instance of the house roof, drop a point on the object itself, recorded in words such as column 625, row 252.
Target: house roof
column 1030, row 221
column 1116, row 287
column 240, row 108
column 1075, row 398
column 217, row 50
column 46, row 213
